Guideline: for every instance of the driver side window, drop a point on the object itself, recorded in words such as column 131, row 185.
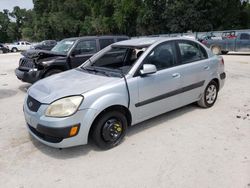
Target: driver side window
column 85, row 47
column 162, row 56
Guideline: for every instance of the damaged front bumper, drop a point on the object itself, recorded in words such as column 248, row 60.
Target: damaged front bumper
column 30, row 76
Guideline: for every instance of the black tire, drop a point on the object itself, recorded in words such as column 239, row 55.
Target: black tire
column 52, row 72
column 216, row 50
column 109, row 129
column 208, row 97
column 14, row 50
column 224, row 52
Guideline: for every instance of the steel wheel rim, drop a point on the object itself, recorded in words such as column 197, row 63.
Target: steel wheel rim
column 211, row 94
column 112, row 130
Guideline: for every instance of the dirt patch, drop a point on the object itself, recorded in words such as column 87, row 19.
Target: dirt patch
column 6, row 93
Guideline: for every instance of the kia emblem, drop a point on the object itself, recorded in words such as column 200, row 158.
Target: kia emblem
column 30, row 104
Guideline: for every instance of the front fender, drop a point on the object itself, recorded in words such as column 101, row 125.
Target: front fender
column 109, row 100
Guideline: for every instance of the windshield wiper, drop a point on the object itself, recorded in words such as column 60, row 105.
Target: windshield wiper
column 93, row 69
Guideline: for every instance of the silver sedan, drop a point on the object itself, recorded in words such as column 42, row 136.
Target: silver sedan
column 126, row 83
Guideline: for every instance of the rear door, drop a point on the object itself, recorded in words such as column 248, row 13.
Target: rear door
column 243, row 42
column 159, row 92
column 194, row 68
column 83, row 50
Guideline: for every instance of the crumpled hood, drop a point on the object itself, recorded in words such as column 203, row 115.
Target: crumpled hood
column 73, row 82
column 41, row 54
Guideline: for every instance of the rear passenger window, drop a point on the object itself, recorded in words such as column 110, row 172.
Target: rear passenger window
column 105, row 42
column 191, row 51
column 85, row 47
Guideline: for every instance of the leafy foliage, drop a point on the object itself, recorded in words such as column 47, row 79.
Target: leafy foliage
column 57, row 19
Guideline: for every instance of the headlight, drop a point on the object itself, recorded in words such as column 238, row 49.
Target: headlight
column 64, row 107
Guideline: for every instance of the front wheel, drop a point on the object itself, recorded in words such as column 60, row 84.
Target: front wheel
column 14, row 50
column 209, row 96
column 109, row 129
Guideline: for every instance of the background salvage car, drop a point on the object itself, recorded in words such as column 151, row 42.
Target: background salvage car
column 19, row 46
column 67, row 54
column 3, row 49
column 44, row 45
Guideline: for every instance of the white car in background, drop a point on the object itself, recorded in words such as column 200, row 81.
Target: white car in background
column 19, row 46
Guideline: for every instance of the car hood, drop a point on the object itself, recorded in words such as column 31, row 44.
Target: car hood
column 73, row 82
column 41, row 54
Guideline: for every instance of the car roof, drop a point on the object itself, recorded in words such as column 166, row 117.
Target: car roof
column 140, row 42
column 97, row 37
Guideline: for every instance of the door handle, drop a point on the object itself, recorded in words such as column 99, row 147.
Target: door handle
column 176, row 75
column 206, row 67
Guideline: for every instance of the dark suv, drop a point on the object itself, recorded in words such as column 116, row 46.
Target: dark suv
column 44, row 45
column 67, row 54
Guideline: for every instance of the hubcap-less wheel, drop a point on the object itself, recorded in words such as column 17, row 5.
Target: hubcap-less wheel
column 112, row 130
column 211, row 94
column 109, row 129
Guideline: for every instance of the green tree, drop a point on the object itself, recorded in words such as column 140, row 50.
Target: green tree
column 4, row 23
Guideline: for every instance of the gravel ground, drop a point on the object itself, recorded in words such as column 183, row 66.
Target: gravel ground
column 189, row 147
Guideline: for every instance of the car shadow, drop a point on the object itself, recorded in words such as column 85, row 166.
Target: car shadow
column 74, row 152
column 65, row 153
column 24, row 87
column 241, row 54
column 163, row 118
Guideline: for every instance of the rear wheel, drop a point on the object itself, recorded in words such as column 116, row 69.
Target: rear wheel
column 52, row 72
column 109, row 129
column 224, row 52
column 1, row 51
column 216, row 50
column 209, row 96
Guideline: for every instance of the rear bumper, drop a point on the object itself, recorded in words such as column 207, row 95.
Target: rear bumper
column 222, row 79
column 29, row 77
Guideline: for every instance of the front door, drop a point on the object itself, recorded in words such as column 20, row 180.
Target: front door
column 159, row 92
column 83, row 51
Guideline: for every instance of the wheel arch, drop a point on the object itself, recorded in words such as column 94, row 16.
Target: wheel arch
column 53, row 67
column 119, row 108
column 217, row 81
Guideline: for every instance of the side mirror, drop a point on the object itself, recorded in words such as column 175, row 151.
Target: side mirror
column 148, row 69
column 75, row 52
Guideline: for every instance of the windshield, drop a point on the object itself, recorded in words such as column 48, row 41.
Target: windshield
column 116, row 60
column 63, row 46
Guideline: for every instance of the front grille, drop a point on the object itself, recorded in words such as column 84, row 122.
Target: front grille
column 26, row 63
column 33, row 104
column 44, row 136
